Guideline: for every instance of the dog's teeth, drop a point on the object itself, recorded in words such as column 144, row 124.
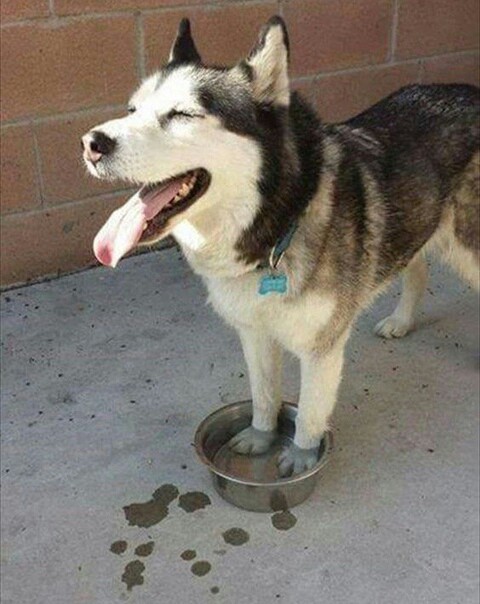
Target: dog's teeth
column 183, row 191
column 145, row 226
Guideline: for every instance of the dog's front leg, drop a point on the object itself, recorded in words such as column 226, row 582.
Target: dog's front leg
column 320, row 379
column 264, row 361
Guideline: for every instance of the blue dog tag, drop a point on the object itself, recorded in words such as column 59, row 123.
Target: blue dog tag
column 270, row 284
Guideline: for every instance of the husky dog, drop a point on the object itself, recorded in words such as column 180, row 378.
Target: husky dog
column 294, row 225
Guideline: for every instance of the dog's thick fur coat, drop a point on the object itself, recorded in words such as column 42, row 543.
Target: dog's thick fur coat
column 369, row 195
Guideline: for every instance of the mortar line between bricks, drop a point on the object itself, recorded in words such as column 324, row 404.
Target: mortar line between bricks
column 38, row 169
column 208, row 6
column 421, row 72
column 453, row 53
column 53, row 21
column 140, row 46
column 394, row 31
column 372, row 67
column 32, row 21
column 45, row 119
column 66, row 204
column 51, row 7
column 364, row 68
column 66, row 19
column 77, row 113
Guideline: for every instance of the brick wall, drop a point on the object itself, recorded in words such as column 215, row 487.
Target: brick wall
column 68, row 64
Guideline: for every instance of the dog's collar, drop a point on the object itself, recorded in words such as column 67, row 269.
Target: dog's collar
column 278, row 250
column 282, row 245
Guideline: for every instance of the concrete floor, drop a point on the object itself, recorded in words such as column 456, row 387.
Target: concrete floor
column 106, row 375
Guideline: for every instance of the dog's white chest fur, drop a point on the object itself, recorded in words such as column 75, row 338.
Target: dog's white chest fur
column 294, row 323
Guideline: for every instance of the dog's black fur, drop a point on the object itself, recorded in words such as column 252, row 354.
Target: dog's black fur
column 415, row 144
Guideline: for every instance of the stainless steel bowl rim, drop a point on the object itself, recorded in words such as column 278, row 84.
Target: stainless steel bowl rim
column 282, row 481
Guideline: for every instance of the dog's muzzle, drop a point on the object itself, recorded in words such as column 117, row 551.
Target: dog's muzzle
column 95, row 145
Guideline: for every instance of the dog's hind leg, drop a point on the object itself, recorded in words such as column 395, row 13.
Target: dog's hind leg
column 401, row 321
column 264, row 360
column 320, row 379
column 463, row 249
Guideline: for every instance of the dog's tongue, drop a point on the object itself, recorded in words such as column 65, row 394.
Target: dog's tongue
column 124, row 228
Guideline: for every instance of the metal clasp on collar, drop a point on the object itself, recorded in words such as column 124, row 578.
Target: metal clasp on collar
column 275, row 259
column 278, row 250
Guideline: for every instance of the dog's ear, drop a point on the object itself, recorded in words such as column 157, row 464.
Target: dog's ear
column 268, row 64
column 183, row 49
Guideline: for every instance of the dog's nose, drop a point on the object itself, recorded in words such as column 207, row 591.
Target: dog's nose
column 96, row 144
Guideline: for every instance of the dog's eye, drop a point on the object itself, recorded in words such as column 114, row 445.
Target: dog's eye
column 131, row 109
column 185, row 114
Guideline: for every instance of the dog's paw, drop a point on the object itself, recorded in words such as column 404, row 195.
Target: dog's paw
column 252, row 441
column 294, row 460
column 392, row 327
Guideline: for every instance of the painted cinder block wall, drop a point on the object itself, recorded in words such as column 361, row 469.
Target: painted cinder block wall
column 69, row 64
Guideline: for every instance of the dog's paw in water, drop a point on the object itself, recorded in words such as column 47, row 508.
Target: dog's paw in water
column 252, row 441
column 294, row 460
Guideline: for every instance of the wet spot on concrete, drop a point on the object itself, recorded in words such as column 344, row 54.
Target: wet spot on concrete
column 145, row 549
column 283, row 521
column 201, row 568
column 235, row 536
column 195, row 500
column 151, row 512
column 145, row 514
column 165, row 494
column 188, row 554
column 132, row 574
column 118, row 547
column 215, row 589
